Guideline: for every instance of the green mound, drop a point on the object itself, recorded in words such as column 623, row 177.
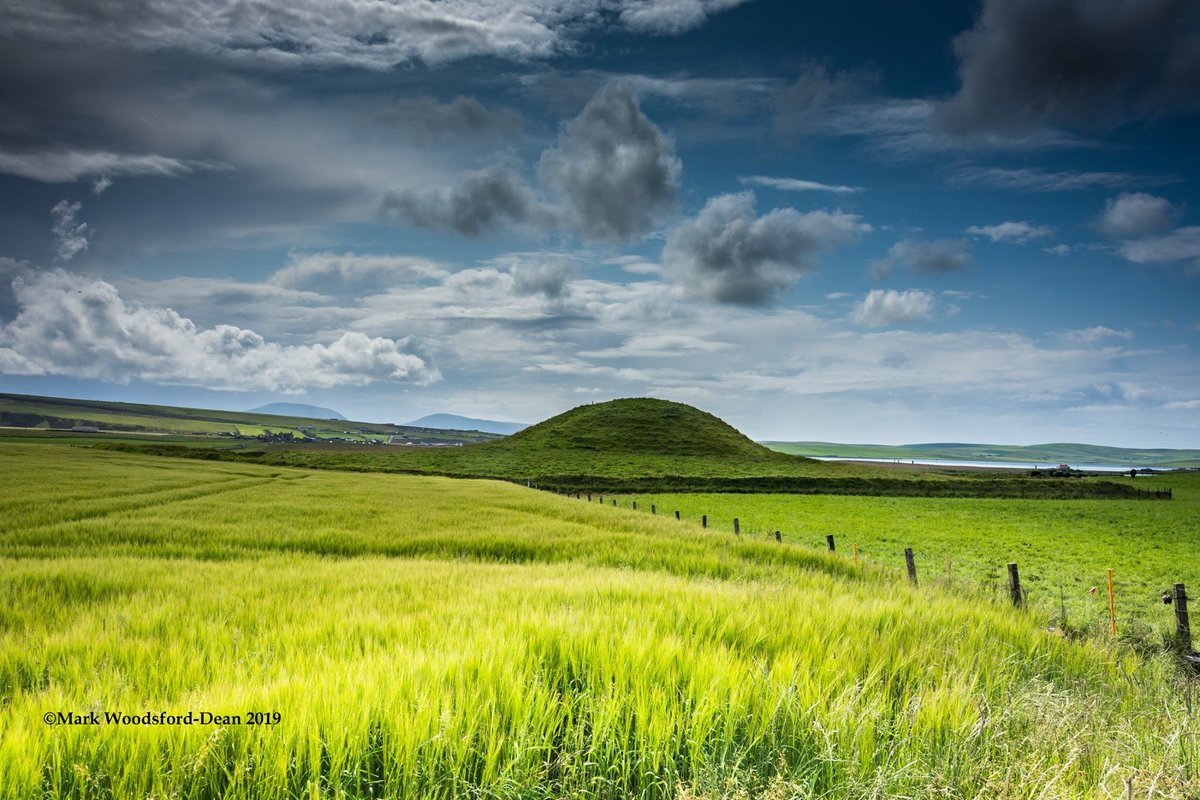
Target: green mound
column 641, row 425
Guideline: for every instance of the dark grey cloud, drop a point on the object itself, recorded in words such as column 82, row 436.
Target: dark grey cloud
column 548, row 279
column 928, row 257
column 616, row 171
column 728, row 254
column 1078, row 63
column 483, row 202
column 462, row 116
column 1134, row 214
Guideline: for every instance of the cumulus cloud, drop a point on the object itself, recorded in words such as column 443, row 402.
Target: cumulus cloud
column 889, row 307
column 728, row 254
column 929, row 257
column 796, row 184
column 64, row 166
column 1039, row 180
column 616, row 171
column 68, row 324
column 1019, row 232
column 376, row 35
column 333, row 273
column 483, row 202
column 1027, row 63
column 71, row 237
column 1134, row 214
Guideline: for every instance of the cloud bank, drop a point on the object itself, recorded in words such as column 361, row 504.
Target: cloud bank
column 68, row 324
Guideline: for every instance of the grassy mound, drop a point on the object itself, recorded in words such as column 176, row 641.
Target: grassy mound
column 636, row 425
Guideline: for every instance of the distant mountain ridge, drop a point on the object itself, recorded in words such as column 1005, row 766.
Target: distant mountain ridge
column 297, row 410
column 453, row 422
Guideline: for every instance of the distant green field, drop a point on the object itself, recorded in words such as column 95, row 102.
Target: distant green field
column 41, row 413
column 1046, row 454
column 1062, row 547
column 423, row 637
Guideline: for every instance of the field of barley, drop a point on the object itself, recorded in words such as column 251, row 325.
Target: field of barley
column 423, row 637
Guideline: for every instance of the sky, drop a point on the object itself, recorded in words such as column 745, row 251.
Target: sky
column 853, row 221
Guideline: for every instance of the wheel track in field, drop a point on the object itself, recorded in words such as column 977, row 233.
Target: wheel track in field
column 141, row 500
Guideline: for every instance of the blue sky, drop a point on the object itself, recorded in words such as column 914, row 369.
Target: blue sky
column 842, row 222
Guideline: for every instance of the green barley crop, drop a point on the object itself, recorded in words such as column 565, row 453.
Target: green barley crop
column 432, row 638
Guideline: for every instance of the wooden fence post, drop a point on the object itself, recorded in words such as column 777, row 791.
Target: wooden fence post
column 829, row 541
column 1182, row 628
column 635, row 505
column 614, row 501
column 737, row 529
column 1014, row 584
column 653, row 509
column 676, row 515
column 704, row 520
column 1112, row 607
column 912, row 565
column 778, row 537
column 589, row 497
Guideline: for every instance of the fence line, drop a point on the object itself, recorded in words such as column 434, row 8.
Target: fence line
column 1017, row 595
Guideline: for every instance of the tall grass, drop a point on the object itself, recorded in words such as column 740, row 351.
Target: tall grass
column 429, row 638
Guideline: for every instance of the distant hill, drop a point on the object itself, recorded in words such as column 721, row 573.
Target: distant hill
column 297, row 410
column 453, row 422
column 58, row 415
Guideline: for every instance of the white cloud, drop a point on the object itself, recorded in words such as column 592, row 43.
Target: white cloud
column 928, row 257
column 888, row 307
column 70, row 236
column 666, row 17
column 728, row 254
column 69, row 324
column 1134, row 214
column 1178, row 245
column 1058, row 249
column 796, row 184
column 1097, row 333
column 375, row 35
column 1019, row 232
column 65, row 166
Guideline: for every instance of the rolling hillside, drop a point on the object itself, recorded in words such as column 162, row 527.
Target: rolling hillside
column 650, row 445
column 45, row 414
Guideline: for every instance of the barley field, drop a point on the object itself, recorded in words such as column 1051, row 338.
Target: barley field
column 368, row 636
